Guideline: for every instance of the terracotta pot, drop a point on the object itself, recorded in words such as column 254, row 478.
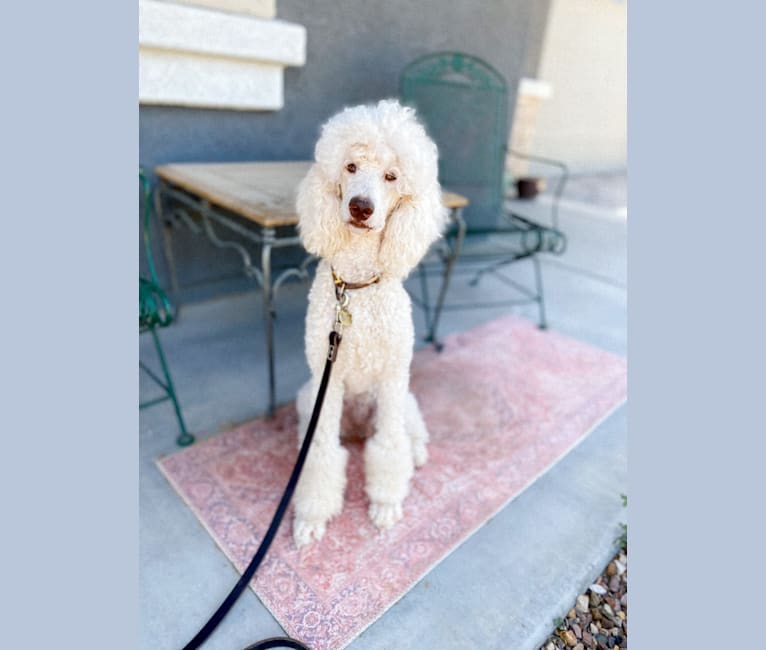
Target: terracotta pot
column 529, row 188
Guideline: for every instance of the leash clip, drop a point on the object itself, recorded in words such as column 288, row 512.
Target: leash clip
column 342, row 314
column 332, row 351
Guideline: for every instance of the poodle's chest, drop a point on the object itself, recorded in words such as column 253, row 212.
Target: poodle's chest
column 378, row 337
column 374, row 311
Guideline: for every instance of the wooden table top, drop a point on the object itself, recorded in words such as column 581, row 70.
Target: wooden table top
column 263, row 192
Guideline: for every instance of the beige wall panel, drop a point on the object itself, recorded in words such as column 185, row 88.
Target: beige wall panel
column 260, row 8
column 182, row 79
column 171, row 26
column 584, row 58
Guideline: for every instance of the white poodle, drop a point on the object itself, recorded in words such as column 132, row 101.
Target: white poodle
column 369, row 207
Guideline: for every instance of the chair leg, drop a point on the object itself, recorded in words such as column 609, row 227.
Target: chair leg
column 433, row 336
column 543, row 324
column 454, row 252
column 425, row 299
column 185, row 438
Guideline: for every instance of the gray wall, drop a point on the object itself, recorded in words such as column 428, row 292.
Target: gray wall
column 355, row 52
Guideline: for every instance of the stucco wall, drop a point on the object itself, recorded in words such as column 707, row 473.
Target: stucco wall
column 355, row 52
column 584, row 58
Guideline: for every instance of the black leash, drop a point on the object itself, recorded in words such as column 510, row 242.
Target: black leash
column 226, row 605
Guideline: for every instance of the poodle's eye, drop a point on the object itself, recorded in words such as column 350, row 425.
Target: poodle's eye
column 351, row 167
column 390, row 176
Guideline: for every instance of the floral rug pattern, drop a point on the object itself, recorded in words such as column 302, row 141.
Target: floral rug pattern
column 503, row 403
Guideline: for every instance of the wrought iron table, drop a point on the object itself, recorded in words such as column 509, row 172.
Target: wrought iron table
column 255, row 200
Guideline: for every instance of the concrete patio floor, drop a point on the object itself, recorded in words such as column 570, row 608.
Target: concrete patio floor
column 504, row 586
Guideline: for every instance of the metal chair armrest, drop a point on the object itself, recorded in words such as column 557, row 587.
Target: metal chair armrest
column 455, row 230
column 560, row 184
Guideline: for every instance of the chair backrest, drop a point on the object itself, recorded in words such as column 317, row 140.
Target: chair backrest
column 463, row 102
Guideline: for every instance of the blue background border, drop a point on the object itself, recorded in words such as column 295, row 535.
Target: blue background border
column 696, row 325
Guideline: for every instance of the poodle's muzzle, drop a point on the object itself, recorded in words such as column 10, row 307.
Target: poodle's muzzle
column 369, row 198
column 360, row 208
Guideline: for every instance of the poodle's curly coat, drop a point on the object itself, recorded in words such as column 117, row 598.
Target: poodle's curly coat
column 379, row 155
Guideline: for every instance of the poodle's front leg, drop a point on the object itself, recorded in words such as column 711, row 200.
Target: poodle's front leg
column 388, row 456
column 319, row 493
column 417, row 430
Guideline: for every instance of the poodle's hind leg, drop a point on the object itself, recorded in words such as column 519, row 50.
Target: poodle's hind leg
column 388, row 460
column 319, row 493
column 416, row 428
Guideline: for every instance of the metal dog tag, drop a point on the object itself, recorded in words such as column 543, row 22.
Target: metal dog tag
column 344, row 317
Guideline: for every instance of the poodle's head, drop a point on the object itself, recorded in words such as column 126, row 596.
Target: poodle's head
column 375, row 175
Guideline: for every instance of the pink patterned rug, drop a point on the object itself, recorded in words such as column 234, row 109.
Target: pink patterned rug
column 503, row 403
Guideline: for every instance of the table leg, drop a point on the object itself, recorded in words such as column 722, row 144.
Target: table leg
column 262, row 276
column 167, row 242
column 268, row 310
column 426, row 300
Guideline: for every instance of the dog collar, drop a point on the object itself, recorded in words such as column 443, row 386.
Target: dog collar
column 341, row 284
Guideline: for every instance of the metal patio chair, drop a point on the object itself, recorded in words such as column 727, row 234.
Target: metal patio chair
column 155, row 311
column 462, row 101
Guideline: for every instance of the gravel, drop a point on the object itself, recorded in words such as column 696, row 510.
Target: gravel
column 599, row 617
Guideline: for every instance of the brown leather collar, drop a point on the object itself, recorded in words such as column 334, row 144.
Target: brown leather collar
column 339, row 282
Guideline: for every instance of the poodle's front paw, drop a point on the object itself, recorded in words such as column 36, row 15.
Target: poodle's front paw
column 419, row 453
column 306, row 531
column 385, row 515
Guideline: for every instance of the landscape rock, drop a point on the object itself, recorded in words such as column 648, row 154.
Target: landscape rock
column 568, row 637
column 599, row 619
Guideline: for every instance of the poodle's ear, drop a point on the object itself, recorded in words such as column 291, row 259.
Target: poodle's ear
column 414, row 225
column 318, row 206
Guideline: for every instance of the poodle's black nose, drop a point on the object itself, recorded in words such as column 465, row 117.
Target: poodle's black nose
column 360, row 208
